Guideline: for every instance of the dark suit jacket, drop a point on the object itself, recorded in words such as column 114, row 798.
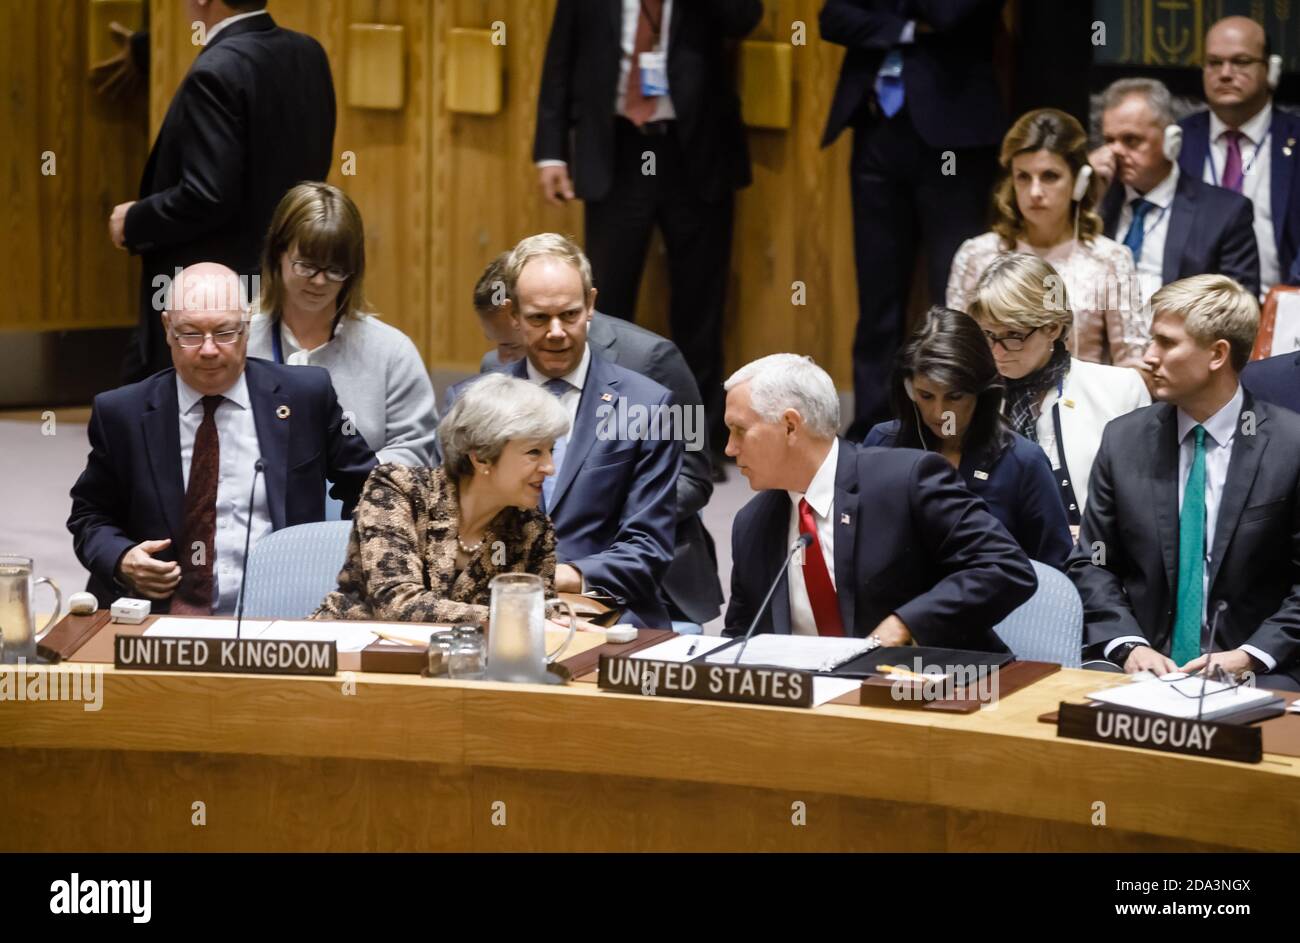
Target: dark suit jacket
column 1209, row 231
column 253, row 117
column 1284, row 199
column 1132, row 511
column 615, row 501
column 950, row 92
column 1275, row 380
column 132, row 488
column 692, row 581
column 579, row 90
column 1019, row 489
column 917, row 545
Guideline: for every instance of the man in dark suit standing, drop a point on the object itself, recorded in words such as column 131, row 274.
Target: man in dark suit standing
column 900, row 549
column 691, row 583
column 253, row 117
column 163, row 506
column 1188, row 539
column 1275, row 380
column 1174, row 225
column 1246, row 145
column 638, row 117
column 918, row 90
column 613, row 497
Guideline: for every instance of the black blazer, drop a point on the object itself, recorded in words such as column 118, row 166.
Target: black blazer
column 1132, row 512
column 691, row 582
column 1284, row 197
column 579, row 89
column 915, row 544
column 253, row 117
column 132, row 490
column 951, row 94
column 1275, row 380
column 1210, row 230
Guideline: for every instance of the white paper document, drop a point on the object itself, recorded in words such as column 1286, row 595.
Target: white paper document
column 349, row 636
column 680, row 648
column 1182, row 698
column 178, row 627
column 796, row 652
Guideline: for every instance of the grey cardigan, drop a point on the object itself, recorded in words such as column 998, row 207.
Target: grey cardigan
column 381, row 382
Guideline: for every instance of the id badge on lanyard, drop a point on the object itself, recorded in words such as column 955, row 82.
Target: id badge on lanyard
column 653, row 66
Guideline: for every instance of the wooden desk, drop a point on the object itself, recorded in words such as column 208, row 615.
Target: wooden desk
column 411, row 764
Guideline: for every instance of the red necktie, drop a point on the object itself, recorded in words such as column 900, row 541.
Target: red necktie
column 194, row 594
column 637, row 107
column 1232, row 175
column 816, row 578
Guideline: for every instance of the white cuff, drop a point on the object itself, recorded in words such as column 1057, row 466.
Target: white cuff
column 552, row 163
column 1123, row 640
column 1269, row 661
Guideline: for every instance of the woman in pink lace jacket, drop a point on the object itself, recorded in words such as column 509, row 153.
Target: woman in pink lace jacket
column 1044, row 154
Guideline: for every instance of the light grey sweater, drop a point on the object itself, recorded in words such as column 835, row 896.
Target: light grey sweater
column 380, row 379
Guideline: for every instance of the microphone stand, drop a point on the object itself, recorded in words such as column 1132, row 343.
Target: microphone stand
column 803, row 541
column 258, row 468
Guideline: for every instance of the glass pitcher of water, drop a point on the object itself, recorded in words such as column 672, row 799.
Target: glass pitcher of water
column 517, row 629
column 17, row 621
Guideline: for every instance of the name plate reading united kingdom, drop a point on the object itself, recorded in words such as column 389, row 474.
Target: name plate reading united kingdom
column 225, row 656
column 747, row 684
column 1190, row 737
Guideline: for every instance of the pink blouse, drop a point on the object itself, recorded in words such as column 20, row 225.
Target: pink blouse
column 1110, row 323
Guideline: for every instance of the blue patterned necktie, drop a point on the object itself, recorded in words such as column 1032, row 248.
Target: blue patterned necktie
column 559, row 387
column 1191, row 559
column 889, row 84
column 1136, row 230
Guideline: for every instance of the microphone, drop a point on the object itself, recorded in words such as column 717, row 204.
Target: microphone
column 804, row 540
column 1219, row 609
column 259, row 467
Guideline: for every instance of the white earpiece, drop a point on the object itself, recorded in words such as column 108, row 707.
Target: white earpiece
column 911, row 391
column 1274, row 71
column 1173, row 143
column 1081, row 183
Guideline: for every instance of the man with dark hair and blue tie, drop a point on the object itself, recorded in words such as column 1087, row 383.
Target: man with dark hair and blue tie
column 1187, row 551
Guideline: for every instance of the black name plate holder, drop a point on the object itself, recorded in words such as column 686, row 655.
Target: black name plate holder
column 225, row 656
column 745, row 684
column 1207, row 738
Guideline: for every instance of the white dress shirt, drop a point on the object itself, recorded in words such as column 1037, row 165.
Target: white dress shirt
column 218, row 27
column 1220, row 434
column 1255, row 183
column 239, row 451
column 821, row 498
column 1150, row 268
column 576, row 380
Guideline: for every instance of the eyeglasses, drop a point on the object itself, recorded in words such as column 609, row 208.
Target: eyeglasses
column 1010, row 342
column 193, row 339
column 308, row 270
column 1238, row 63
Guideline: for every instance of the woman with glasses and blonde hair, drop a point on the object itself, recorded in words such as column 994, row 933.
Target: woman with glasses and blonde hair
column 313, row 312
column 1045, row 205
column 1058, row 401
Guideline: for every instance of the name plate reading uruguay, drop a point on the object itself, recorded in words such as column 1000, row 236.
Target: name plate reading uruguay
column 747, row 684
column 226, row 656
column 1214, row 739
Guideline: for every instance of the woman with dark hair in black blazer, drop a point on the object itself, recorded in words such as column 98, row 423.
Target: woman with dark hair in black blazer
column 947, row 395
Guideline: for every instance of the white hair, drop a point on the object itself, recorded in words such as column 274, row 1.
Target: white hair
column 779, row 382
column 494, row 409
column 1154, row 91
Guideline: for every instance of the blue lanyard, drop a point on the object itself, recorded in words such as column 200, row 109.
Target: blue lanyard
column 277, row 351
column 1214, row 173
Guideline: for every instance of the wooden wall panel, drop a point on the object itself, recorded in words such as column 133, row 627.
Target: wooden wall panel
column 58, row 266
column 442, row 193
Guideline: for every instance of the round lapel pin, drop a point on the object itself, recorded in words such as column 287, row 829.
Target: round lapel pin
column 282, row 412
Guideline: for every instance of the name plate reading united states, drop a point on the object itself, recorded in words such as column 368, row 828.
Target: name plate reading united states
column 747, row 684
column 226, row 656
column 1208, row 738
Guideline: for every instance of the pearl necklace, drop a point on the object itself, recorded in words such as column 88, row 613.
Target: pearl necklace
column 468, row 551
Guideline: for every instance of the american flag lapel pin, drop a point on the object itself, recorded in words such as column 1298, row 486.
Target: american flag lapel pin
column 844, row 519
column 606, row 397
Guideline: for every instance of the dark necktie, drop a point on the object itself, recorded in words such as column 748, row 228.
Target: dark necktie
column 636, row 106
column 1137, row 229
column 817, row 579
column 1232, row 175
column 198, row 546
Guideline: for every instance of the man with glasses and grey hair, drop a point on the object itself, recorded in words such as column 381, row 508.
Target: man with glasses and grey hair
column 1174, row 225
column 899, row 549
column 180, row 462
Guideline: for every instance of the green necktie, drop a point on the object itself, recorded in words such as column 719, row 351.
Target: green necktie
column 1191, row 559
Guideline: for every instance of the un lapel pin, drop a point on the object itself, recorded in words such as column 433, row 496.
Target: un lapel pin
column 844, row 519
column 1290, row 143
column 282, row 412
